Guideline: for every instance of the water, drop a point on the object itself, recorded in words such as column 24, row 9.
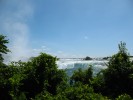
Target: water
column 70, row 65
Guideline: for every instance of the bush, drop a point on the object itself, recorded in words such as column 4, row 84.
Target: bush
column 43, row 76
column 124, row 97
column 117, row 76
column 82, row 76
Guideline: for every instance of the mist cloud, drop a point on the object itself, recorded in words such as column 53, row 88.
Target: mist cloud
column 14, row 17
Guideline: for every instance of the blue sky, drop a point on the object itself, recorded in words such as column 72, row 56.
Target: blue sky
column 67, row 28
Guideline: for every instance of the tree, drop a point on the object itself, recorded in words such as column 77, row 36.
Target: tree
column 42, row 76
column 87, row 58
column 118, row 76
column 82, row 76
column 4, row 70
column 79, row 91
column 3, row 47
column 124, row 97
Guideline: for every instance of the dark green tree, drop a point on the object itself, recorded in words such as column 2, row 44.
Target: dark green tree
column 87, row 58
column 79, row 91
column 42, row 76
column 4, row 70
column 118, row 76
column 10, row 80
column 98, row 83
column 124, row 97
column 3, row 47
column 83, row 76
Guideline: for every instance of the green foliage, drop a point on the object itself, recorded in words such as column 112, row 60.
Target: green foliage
column 44, row 96
column 80, row 91
column 40, row 79
column 124, row 97
column 82, row 76
column 3, row 47
column 117, row 76
column 87, row 58
column 122, row 47
column 43, row 76
column 10, row 79
column 98, row 83
column 27, row 80
column 4, row 83
column 4, row 71
column 21, row 96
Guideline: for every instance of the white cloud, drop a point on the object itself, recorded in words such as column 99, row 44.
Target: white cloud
column 62, row 54
column 37, row 51
column 58, row 53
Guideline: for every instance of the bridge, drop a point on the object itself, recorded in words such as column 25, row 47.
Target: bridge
column 73, row 58
column 96, row 58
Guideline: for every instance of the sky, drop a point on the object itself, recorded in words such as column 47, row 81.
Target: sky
column 66, row 28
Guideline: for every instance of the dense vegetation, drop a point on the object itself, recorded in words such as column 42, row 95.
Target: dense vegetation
column 40, row 79
column 87, row 58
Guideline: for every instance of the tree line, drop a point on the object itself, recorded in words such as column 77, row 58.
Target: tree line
column 40, row 79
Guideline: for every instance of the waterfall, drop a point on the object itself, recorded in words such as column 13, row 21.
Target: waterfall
column 71, row 65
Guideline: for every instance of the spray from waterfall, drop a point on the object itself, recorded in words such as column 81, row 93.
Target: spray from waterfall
column 15, row 27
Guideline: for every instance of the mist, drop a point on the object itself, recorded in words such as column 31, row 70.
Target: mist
column 14, row 24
